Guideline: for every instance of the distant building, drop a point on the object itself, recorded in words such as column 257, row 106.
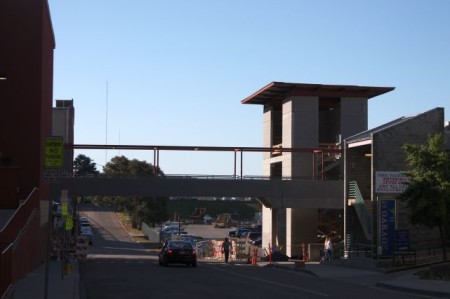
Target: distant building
column 63, row 125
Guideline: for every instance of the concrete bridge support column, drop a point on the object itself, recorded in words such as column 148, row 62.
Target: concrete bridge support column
column 301, row 224
column 274, row 228
column 279, row 228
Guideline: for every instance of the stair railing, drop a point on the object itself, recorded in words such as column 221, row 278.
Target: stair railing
column 357, row 200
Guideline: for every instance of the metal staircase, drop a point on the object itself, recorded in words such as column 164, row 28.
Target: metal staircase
column 356, row 199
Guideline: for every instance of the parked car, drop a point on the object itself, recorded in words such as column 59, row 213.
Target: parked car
column 232, row 233
column 191, row 238
column 257, row 241
column 178, row 252
column 85, row 229
column 171, row 229
column 257, row 228
column 253, row 235
column 238, row 232
column 241, row 232
column 85, row 224
column 88, row 235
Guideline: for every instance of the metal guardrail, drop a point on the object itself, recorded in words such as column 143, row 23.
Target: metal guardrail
column 200, row 176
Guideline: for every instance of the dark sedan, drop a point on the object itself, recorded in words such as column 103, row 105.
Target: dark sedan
column 178, row 252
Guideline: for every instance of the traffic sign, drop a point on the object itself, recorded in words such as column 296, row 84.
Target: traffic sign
column 54, row 152
column 69, row 223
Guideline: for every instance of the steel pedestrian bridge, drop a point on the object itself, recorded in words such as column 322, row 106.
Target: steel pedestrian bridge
column 313, row 192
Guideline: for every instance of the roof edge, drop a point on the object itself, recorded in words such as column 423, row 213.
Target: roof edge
column 276, row 90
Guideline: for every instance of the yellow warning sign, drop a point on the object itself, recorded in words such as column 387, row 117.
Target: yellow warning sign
column 69, row 223
column 64, row 209
column 54, row 152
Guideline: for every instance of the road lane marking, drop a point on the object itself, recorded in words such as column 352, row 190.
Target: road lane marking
column 273, row 282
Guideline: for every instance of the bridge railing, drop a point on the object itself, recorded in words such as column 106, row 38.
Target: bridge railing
column 203, row 176
column 320, row 157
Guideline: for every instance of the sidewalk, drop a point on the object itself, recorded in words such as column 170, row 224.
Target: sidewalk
column 33, row 285
column 404, row 281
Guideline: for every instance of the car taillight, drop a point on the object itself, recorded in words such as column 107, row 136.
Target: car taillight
column 170, row 251
column 193, row 252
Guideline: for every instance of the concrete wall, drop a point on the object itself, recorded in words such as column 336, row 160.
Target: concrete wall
column 26, row 58
column 353, row 116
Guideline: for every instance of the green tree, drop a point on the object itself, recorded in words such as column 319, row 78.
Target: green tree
column 428, row 192
column 140, row 209
column 84, row 166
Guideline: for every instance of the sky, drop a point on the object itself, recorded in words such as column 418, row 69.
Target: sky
column 147, row 72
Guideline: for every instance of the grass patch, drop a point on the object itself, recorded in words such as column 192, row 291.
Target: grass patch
column 133, row 232
column 141, row 239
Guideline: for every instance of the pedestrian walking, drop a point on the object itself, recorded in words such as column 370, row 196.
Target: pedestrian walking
column 226, row 249
column 327, row 250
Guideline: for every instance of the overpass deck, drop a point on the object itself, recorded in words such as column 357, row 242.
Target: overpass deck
column 274, row 193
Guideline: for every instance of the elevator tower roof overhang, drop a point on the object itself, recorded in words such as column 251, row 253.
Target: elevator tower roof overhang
column 277, row 91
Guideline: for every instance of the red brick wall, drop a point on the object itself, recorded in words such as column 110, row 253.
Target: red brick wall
column 26, row 58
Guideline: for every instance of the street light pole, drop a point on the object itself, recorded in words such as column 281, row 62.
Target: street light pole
column 179, row 215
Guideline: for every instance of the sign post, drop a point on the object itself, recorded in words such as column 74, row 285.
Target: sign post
column 53, row 163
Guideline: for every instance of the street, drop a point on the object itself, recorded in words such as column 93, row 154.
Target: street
column 119, row 268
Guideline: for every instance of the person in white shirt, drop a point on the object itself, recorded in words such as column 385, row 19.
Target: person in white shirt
column 327, row 250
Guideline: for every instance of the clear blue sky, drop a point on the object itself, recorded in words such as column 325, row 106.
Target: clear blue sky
column 178, row 70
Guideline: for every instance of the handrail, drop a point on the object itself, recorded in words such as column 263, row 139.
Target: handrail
column 197, row 176
column 361, row 208
column 11, row 229
column 6, row 268
column 10, row 233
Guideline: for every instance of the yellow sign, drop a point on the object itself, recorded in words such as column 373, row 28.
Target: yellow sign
column 64, row 209
column 54, row 152
column 69, row 223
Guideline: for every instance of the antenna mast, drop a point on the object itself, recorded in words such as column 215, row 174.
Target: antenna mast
column 106, row 124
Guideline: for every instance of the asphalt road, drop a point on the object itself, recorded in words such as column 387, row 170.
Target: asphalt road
column 119, row 268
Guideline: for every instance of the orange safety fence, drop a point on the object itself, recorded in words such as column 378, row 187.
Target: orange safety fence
column 241, row 250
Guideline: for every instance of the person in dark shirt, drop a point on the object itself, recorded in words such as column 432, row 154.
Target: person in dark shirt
column 226, row 249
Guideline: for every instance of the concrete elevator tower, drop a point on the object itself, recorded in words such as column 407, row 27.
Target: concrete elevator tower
column 310, row 119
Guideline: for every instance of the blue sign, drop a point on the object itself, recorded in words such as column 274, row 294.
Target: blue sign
column 387, row 226
column 402, row 239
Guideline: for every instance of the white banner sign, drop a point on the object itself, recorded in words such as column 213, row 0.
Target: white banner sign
column 390, row 182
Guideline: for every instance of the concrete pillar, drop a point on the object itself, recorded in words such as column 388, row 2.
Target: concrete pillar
column 353, row 116
column 267, row 136
column 301, row 227
column 300, row 129
column 301, row 122
column 279, row 228
column 267, row 227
